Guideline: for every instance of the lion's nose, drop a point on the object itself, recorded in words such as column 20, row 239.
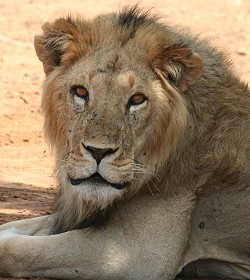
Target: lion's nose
column 98, row 153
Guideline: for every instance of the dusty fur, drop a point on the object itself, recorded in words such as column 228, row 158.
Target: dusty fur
column 195, row 117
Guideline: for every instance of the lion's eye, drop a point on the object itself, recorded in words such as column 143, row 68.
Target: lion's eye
column 137, row 99
column 80, row 91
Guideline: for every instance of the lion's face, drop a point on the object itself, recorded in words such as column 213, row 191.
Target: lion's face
column 110, row 111
column 107, row 102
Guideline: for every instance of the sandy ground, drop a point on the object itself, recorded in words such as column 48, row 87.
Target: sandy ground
column 27, row 187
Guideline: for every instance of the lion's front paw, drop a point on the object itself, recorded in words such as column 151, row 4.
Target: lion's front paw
column 8, row 233
column 9, row 252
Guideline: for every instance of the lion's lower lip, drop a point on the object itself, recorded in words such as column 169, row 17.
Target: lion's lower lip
column 76, row 182
column 96, row 179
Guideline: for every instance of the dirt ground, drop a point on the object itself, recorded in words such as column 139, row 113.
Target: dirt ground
column 27, row 187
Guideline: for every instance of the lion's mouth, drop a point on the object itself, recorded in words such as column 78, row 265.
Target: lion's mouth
column 97, row 180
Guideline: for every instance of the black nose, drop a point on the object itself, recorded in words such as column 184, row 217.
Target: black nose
column 99, row 154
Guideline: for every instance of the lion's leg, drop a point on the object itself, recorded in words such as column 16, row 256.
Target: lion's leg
column 33, row 226
column 220, row 240
column 139, row 243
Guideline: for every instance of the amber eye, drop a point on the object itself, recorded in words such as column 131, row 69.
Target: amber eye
column 137, row 99
column 80, row 91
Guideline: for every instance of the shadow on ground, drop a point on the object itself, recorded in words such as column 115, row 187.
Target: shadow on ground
column 19, row 201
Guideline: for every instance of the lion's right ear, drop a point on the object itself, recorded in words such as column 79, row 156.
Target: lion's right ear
column 56, row 45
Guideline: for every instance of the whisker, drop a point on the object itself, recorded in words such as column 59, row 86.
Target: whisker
column 142, row 168
column 150, row 190
column 154, row 185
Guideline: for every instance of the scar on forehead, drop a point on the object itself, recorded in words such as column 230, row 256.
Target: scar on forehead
column 126, row 80
column 131, row 80
column 91, row 75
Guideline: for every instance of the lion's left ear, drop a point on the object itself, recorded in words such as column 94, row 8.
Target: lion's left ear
column 180, row 65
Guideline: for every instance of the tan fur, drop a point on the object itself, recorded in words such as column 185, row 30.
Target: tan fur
column 96, row 62
column 185, row 146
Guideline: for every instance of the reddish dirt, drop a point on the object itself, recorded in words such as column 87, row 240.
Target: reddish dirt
column 26, row 185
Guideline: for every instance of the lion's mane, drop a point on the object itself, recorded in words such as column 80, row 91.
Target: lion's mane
column 198, row 128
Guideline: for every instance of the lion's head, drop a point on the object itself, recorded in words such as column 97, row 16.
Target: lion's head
column 112, row 104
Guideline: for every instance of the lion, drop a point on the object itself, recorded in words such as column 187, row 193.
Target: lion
column 151, row 131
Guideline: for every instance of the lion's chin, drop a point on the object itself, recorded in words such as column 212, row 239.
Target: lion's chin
column 85, row 203
column 95, row 181
column 94, row 192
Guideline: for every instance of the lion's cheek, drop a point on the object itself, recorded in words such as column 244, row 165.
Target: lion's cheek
column 115, row 171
